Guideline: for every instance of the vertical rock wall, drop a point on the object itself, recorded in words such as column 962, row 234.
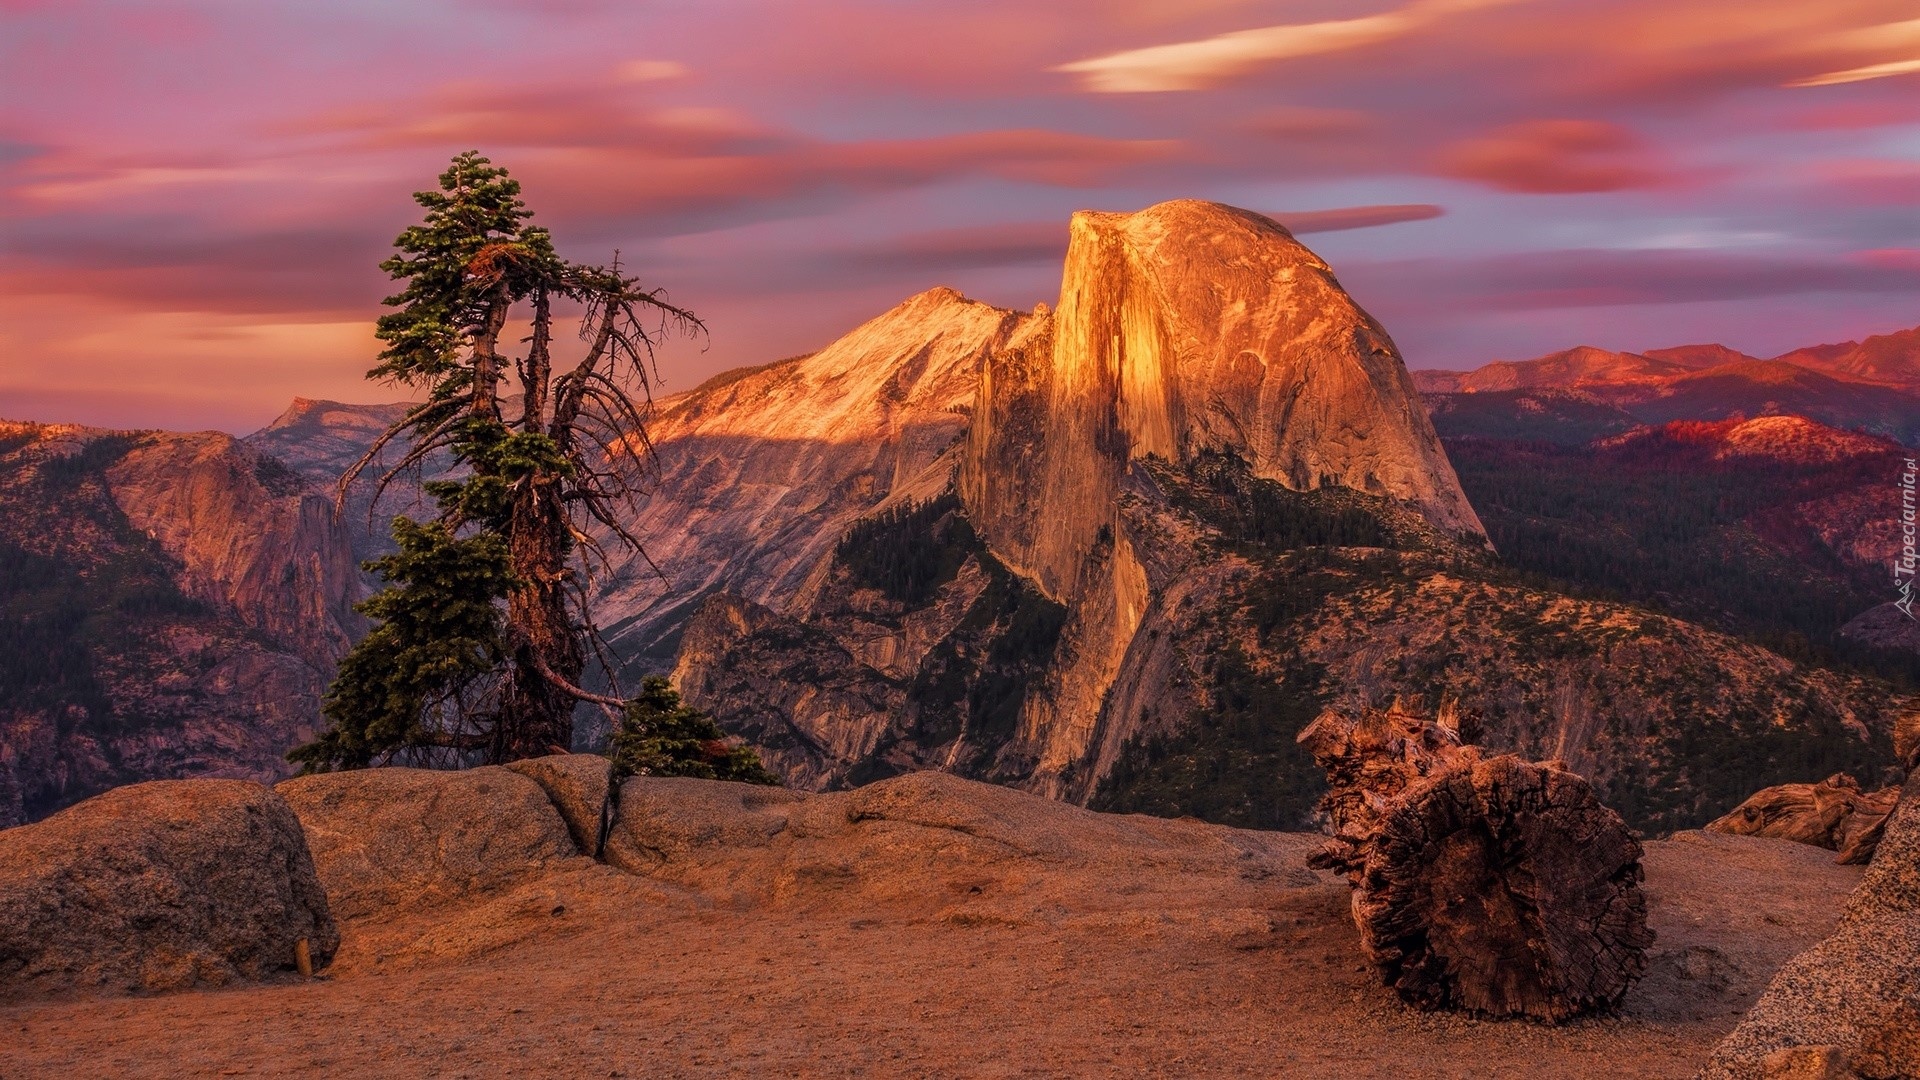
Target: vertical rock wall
column 1184, row 328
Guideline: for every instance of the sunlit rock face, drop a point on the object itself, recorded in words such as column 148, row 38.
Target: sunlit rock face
column 250, row 537
column 1188, row 328
column 759, row 472
column 1185, row 330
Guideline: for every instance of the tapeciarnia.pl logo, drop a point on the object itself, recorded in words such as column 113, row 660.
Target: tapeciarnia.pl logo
column 1903, row 567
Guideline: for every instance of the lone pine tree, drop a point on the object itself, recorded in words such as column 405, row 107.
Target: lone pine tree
column 661, row 736
column 484, row 630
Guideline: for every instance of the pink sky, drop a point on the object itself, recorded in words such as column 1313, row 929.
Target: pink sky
column 193, row 196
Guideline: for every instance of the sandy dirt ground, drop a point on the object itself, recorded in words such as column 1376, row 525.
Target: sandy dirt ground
column 972, row 962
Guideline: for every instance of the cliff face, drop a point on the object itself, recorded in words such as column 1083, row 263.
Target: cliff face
column 172, row 605
column 250, row 537
column 759, row 472
column 1186, row 330
column 320, row 440
column 1185, row 333
column 1189, row 328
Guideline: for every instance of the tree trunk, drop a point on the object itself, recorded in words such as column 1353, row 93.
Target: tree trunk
column 1491, row 884
column 537, row 713
column 484, row 402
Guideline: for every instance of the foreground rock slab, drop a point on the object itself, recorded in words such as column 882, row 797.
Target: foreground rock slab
column 931, row 927
column 159, row 886
column 580, row 787
column 391, row 840
column 1851, row 1004
column 948, row 849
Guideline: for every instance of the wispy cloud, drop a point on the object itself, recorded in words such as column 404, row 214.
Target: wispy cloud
column 1898, row 38
column 1568, row 279
column 1555, row 157
column 1196, row 65
column 1861, row 74
column 1039, row 242
column 1341, row 219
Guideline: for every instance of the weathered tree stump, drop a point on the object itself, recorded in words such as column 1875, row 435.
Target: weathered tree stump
column 1485, row 883
column 1833, row 814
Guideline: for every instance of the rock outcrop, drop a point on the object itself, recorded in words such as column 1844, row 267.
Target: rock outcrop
column 580, row 786
column 923, row 921
column 1187, row 333
column 761, row 471
column 159, row 886
column 1850, row 1005
column 390, row 840
column 665, row 819
column 955, row 850
column 1186, row 329
column 251, row 538
column 320, row 440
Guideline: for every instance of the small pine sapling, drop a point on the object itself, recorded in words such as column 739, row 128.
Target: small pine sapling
column 659, row 735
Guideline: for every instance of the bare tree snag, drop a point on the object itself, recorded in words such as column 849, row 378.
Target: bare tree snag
column 1834, row 814
column 1492, row 884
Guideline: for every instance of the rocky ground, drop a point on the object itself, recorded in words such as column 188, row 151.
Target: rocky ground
column 923, row 926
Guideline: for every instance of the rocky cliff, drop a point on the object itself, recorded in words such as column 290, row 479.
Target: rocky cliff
column 984, row 618
column 760, row 471
column 251, row 539
column 1165, row 523
column 320, row 440
column 172, row 605
column 1185, row 329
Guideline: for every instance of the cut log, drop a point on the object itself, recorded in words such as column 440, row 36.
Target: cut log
column 1491, row 884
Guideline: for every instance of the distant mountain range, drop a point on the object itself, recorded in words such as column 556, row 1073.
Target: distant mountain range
column 1117, row 553
column 1570, row 396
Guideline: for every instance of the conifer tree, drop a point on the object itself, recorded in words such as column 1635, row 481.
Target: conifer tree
column 661, row 736
column 484, row 631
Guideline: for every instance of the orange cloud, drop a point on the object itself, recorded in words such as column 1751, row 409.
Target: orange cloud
column 1196, row 65
column 1861, row 74
column 1890, row 49
column 1554, row 157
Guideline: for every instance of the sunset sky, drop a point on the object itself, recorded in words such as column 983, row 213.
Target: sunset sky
column 194, row 195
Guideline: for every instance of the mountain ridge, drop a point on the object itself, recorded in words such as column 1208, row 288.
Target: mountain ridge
column 1117, row 550
column 1872, row 385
